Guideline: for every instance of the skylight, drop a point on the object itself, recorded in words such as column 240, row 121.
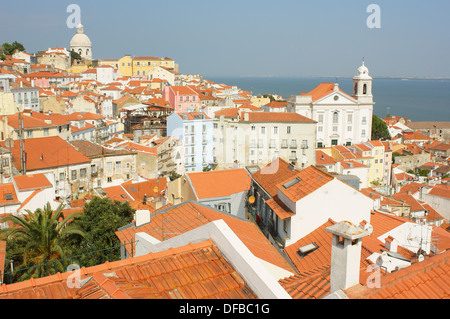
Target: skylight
column 292, row 182
column 9, row 196
column 305, row 250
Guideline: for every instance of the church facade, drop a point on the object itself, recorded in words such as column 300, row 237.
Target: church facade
column 342, row 119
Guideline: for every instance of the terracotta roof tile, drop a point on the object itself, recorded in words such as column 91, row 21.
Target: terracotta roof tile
column 440, row 190
column 274, row 173
column 217, row 183
column 322, row 90
column 176, row 220
column 155, row 275
column 309, row 180
column 31, row 182
column 428, row 279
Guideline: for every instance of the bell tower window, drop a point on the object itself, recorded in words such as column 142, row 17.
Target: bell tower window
column 365, row 88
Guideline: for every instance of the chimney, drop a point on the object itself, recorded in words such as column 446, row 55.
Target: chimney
column 141, row 217
column 391, row 244
column 345, row 254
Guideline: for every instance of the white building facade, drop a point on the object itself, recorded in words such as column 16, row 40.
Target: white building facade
column 343, row 119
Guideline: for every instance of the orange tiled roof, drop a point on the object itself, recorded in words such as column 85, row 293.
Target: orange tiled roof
column 190, row 215
column 412, row 187
column 5, row 189
column 194, row 271
column 276, row 117
column 311, row 179
column 429, row 279
column 269, row 181
column 313, row 284
column 440, row 190
column 409, row 200
column 40, row 156
column 323, row 158
column 279, row 208
column 323, row 89
column 138, row 190
column 217, row 183
column 276, row 104
column 31, row 182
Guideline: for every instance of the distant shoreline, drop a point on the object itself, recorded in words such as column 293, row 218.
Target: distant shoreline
column 326, row 77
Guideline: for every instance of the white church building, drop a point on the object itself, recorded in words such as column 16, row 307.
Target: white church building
column 342, row 119
column 81, row 44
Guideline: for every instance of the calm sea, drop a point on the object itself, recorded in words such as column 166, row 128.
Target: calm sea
column 419, row 100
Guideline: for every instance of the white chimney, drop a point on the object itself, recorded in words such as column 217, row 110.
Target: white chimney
column 345, row 254
column 391, row 244
column 141, row 217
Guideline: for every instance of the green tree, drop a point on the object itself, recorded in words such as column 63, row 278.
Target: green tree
column 37, row 238
column 75, row 55
column 379, row 129
column 10, row 49
column 206, row 168
column 174, row 175
column 101, row 218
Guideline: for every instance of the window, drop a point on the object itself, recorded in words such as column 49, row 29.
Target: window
column 118, row 165
column 109, row 166
column 288, row 130
column 349, row 118
column 334, row 142
column 335, row 117
column 275, row 130
column 73, row 174
column 29, row 134
column 365, row 88
column 263, row 130
column 363, row 133
column 364, row 120
column 320, row 128
column 349, row 128
column 319, row 144
column 62, row 176
column 320, row 118
column 253, row 128
column 82, row 173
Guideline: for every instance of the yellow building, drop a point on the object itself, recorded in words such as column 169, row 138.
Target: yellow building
column 126, row 66
column 260, row 101
column 78, row 68
column 139, row 66
column 376, row 170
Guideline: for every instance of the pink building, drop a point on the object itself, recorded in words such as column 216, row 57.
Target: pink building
column 182, row 98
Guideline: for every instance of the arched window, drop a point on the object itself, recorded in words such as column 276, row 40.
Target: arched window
column 80, row 51
column 87, row 52
column 335, row 117
column 356, row 88
column 138, row 73
column 365, row 88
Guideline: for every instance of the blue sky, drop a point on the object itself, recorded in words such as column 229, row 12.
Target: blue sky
column 247, row 37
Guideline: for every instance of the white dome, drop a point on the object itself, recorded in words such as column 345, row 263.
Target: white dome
column 80, row 39
column 363, row 72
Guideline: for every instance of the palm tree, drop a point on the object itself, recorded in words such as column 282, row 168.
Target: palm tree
column 39, row 237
